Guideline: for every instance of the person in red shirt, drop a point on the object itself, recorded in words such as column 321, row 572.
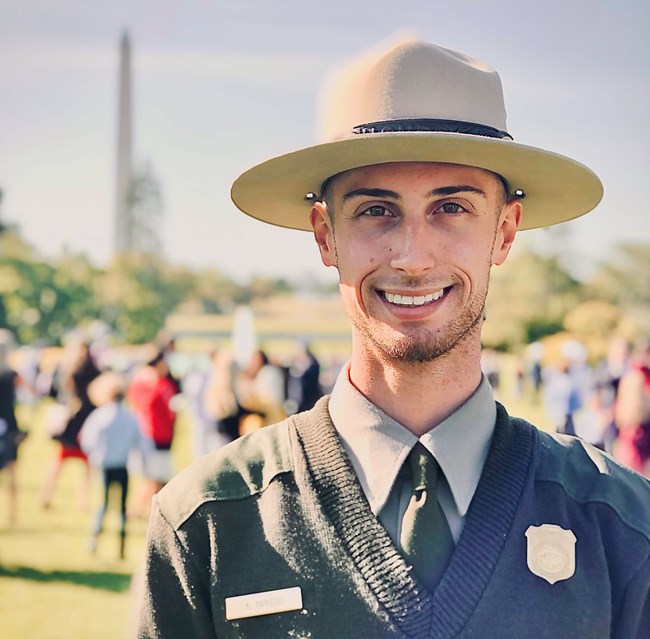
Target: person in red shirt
column 149, row 395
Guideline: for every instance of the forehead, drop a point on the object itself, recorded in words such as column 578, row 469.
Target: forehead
column 410, row 174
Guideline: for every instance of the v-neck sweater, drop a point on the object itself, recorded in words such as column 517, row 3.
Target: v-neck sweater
column 416, row 610
column 283, row 508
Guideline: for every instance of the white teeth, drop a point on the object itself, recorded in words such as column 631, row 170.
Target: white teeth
column 417, row 300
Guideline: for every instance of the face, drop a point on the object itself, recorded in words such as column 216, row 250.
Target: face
column 413, row 244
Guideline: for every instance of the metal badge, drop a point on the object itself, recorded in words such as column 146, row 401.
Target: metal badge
column 551, row 552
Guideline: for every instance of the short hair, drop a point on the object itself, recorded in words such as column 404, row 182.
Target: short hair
column 326, row 197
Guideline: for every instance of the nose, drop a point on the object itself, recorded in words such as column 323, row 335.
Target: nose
column 412, row 248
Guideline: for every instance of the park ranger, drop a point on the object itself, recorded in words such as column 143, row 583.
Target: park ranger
column 408, row 503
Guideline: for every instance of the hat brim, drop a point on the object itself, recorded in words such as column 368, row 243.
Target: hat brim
column 556, row 188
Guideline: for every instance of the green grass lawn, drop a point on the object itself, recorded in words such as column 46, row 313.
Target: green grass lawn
column 50, row 584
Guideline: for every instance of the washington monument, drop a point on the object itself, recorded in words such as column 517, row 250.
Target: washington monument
column 124, row 165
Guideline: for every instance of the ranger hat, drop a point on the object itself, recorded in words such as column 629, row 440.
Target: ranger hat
column 416, row 102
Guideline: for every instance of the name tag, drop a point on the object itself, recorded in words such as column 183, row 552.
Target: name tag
column 263, row 603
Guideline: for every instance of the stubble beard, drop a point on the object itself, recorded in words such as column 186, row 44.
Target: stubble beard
column 425, row 345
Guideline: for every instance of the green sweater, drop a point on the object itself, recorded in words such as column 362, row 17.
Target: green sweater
column 282, row 509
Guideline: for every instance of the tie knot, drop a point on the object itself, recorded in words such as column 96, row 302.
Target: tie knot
column 424, row 468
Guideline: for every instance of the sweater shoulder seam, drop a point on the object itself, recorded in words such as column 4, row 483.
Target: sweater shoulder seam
column 239, row 471
column 576, row 464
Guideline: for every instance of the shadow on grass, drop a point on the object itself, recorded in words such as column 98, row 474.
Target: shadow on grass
column 111, row 581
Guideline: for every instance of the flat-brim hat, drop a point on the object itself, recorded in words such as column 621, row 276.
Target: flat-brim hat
column 416, row 102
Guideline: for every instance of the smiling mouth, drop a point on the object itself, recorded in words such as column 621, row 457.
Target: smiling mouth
column 414, row 300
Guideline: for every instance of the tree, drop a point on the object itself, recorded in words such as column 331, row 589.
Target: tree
column 212, row 292
column 146, row 208
column 42, row 300
column 529, row 297
column 137, row 292
column 624, row 280
column 594, row 323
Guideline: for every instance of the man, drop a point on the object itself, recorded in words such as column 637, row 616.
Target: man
column 303, row 383
column 407, row 504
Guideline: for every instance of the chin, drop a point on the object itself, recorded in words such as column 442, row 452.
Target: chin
column 424, row 345
column 412, row 351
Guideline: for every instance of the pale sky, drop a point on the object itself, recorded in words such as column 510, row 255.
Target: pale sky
column 224, row 84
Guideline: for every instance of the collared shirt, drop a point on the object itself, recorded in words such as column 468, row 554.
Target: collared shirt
column 377, row 446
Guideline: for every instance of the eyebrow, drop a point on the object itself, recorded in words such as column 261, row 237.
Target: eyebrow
column 453, row 190
column 393, row 195
column 382, row 193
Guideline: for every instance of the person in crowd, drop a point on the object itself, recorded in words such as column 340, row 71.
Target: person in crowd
column 607, row 376
column 150, row 395
column 566, row 387
column 408, row 503
column 11, row 436
column 491, row 368
column 108, row 437
column 535, row 353
column 303, row 384
column 212, row 401
column 28, row 371
column 194, row 386
column 261, row 392
column 632, row 412
column 221, row 401
column 617, row 363
column 72, row 392
column 167, row 346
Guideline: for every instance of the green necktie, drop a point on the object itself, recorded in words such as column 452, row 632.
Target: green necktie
column 425, row 537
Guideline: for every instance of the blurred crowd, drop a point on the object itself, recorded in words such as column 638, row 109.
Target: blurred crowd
column 117, row 413
column 606, row 403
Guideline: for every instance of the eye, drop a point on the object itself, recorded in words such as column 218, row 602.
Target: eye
column 450, row 208
column 376, row 210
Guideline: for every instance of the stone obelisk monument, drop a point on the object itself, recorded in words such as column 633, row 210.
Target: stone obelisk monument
column 124, row 175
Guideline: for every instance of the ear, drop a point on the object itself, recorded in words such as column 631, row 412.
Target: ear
column 323, row 233
column 509, row 220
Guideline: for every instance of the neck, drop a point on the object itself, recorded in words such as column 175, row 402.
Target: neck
column 417, row 395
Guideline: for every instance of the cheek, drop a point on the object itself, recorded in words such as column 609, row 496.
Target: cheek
column 356, row 266
column 355, row 261
column 352, row 298
column 473, row 266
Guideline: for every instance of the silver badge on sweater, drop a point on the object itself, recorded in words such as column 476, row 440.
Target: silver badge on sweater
column 551, row 552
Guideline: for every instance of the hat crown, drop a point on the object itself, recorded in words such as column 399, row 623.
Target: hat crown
column 412, row 80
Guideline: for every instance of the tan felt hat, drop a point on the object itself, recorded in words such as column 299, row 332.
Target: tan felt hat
column 416, row 102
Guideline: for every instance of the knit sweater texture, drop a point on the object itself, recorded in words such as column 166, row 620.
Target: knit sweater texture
column 282, row 508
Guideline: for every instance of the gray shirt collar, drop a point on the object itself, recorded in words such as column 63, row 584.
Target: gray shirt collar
column 377, row 445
